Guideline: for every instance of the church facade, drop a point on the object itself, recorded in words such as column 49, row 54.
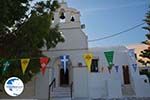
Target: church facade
column 123, row 79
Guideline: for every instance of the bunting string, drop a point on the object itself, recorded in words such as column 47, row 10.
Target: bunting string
column 34, row 58
column 24, row 62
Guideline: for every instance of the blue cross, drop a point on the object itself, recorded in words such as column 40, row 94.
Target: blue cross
column 64, row 61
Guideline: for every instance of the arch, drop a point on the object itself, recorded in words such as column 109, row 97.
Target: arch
column 62, row 16
column 72, row 19
column 57, row 72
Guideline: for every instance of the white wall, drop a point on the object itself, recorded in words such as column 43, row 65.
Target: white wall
column 80, row 83
column 114, row 88
column 75, row 38
column 94, row 85
column 42, row 84
column 142, row 89
column 97, row 86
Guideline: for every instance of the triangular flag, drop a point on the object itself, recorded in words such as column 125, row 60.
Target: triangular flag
column 134, row 67
column 88, row 59
column 131, row 53
column 43, row 61
column 109, row 56
column 43, row 69
column 116, row 67
column 24, row 64
column 6, row 64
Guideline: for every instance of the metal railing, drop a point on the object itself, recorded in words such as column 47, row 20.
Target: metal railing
column 71, row 89
column 52, row 85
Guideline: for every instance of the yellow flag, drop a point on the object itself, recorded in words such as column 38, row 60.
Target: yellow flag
column 24, row 64
column 88, row 59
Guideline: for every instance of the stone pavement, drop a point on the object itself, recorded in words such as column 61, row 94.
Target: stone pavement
column 69, row 99
column 125, row 98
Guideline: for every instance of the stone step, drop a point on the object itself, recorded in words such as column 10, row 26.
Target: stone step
column 61, row 92
column 59, row 89
column 65, row 98
column 127, row 90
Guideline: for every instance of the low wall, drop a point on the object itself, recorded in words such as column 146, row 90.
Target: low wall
column 94, row 85
column 97, row 86
column 114, row 88
column 142, row 89
column 80, row 83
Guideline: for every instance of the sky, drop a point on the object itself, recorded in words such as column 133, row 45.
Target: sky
column 106, row 17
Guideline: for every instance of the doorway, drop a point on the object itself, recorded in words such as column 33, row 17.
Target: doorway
column 64, row 77
column 126, row 76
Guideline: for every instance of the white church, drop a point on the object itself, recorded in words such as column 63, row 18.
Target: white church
column 75, row 80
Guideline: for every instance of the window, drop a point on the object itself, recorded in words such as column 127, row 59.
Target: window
column 94, row 65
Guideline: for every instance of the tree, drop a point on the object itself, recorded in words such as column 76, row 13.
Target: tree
column 24, row 30
column 146, row 52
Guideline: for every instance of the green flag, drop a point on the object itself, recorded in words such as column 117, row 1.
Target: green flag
column 6, row 64
column 109, row 56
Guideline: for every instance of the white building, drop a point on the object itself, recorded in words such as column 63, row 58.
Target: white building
column 122, row 81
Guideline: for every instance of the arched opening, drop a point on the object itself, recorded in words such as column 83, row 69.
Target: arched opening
column 64, row 77
column 72, row 19
column 53, row 19
column 62, row 17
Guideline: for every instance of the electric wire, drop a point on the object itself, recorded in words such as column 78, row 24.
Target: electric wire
column 116, row 34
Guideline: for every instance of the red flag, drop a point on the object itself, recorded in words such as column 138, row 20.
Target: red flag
column 43, row 61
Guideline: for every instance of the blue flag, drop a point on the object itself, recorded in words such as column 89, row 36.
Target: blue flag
column 116, row 67
column 134, row 67
column 64, row 62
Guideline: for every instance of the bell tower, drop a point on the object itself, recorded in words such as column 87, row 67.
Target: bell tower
column 68, row 20
column 66, row 14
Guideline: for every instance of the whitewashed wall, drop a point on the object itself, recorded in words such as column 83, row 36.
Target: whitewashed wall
column 114, row 88
column 142, row 89
column 97, row 86
column 42, row 84
column 80, row 83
